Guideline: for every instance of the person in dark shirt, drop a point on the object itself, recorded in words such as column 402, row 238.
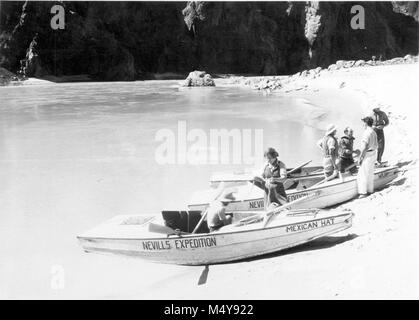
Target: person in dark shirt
column 380, row 120
column 346, row 151
column 216, row 214
column 272, row 175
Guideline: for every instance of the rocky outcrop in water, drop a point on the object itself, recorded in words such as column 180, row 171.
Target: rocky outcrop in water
column 6, row 77
column 198, row 79
column 136, row 40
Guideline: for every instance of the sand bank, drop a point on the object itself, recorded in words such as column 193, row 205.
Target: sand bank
column 378, row 257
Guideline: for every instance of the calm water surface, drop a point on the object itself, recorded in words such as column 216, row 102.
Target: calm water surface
column 73, row 155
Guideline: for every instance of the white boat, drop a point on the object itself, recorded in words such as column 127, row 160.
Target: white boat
column 330, row 193
column 133, row 236
column 310, row 174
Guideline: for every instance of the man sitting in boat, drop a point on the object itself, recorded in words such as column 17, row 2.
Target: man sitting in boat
column 346, row 151
column 329, row 146
column 273, row 175
column 216, row 215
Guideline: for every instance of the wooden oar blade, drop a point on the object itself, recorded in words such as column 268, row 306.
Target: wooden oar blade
column 204, row 276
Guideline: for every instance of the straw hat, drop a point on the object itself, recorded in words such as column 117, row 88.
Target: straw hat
column 330, row 129
column 228, row 197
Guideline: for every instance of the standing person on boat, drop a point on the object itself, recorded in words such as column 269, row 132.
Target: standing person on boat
column 216, row 215
column 367, row 159
column 273, row 174
column 329, row 145
column 380, row 121
column 346, row 151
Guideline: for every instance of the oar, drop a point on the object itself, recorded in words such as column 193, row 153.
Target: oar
column 276, row 210
column 299, row 167
column 290, row 172
column 220, row 190
column 297, row 212
column 325, row 180
column 350, row 167
column 203, row 277
column 250, row 177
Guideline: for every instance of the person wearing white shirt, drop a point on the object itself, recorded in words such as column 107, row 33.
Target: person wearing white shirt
column 367, row 158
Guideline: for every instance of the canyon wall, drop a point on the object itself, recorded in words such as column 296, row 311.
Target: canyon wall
column 135, row 40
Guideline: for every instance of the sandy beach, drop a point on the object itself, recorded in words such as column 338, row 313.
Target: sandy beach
column 378, row 258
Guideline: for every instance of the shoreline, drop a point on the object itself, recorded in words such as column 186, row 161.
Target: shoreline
column 378, row 257
column 269, row 83
column 284, row 84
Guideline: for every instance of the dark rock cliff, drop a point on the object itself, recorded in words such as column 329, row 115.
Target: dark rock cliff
column 134, row 40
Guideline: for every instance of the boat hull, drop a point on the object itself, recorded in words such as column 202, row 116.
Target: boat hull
column 229, row 244
column 329, row 194
column 240, row 178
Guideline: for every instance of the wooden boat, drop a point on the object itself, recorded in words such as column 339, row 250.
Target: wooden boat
column 150, row 238
column 330, row 193
column 310, row 175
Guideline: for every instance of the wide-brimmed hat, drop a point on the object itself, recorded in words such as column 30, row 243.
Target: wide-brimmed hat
column 272, row 152
column 227, row 197
column 367, row 119
column 330, row 129
column 374, row 109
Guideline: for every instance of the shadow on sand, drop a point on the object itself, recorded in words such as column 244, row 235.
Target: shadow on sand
column 320, row 243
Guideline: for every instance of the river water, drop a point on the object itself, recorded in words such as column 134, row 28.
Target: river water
column 73, row 155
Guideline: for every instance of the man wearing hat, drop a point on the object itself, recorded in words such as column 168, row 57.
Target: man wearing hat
column 367, row 158
column 273, row 173
column 329, row 146
column 347, row 152
column 216, row 215
column 380, row 120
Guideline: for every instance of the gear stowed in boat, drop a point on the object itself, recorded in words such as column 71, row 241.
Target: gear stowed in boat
column 168, row 239
column 330, row 193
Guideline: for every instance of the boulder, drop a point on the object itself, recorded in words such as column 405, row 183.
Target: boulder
column 408, row 58
column 349, row 64
column 317, row 70
column 359, row 63
column 396, row 61
column 340, row 64
column 6, row 76
column 264, row 84
column 332, row 67
column 370, row 63
column 198, row 79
